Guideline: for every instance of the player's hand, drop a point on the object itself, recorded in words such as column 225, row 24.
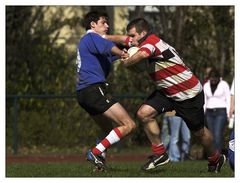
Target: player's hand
column 124, row 54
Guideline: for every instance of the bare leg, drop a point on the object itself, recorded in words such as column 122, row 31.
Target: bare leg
column 206, row 139
column 120, row 116
column 116, row 113
column 147, row 115
column 159, row 156
column 104, row 123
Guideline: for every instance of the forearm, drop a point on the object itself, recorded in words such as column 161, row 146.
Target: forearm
column 232, row 107
column 122, row 53
column 120, row 39
column 116, row 38
column 135, row 58
column 116, row 51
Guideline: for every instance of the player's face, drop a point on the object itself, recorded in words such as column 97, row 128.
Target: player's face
column 101, row 27
column 135, row 36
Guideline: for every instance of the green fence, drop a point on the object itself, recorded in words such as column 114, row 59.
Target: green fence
column 13, row 102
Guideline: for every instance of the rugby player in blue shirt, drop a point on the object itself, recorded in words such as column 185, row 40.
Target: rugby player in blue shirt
column 94, row 59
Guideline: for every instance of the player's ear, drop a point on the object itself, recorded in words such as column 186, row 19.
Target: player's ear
column 92, row 24
column 143, row 33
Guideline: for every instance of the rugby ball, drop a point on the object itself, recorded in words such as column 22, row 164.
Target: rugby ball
column 132, row 50
column 142, row 65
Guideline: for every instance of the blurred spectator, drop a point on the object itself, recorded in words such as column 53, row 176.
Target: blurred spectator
column 217, row 106
column 178, row 142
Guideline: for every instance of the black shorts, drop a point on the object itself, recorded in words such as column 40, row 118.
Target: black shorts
column 95, row 99
column 190, row 110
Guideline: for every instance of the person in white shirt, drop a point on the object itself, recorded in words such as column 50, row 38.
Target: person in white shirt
column 217, row 106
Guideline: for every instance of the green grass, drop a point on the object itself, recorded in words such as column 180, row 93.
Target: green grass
column 115, row 169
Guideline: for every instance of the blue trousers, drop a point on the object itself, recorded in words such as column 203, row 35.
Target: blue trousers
column 179, row 140
column 216, row 121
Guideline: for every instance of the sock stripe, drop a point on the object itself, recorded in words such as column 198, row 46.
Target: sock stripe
column 98, row 149
column 158, row 149
column 105, row 143
column 214, row 157
column 117, row 131
column 113, row 137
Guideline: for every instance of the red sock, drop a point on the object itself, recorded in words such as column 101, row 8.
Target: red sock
column 213, row 159
column 114, row 136
column 158, row 149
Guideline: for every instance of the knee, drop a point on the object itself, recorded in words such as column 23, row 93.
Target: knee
column 143, row 116
column 129, row 127
column 204, row 133
column 132, row 126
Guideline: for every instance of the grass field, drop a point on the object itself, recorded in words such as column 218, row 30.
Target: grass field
column 115, row 169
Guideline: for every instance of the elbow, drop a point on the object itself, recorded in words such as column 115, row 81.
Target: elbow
column 124, row 63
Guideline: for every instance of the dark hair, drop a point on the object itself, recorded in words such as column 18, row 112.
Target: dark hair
column 140, row 24
column 93, row 16
column 214, row 73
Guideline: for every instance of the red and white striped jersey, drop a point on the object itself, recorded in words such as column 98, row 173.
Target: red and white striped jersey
column 168, row 71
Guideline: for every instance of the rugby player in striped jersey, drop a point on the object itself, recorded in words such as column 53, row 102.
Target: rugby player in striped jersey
column 177, row 88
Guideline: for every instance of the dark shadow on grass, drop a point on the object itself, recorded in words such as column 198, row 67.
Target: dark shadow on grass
column 158, row 170
column 116, row 169
column 127, row 172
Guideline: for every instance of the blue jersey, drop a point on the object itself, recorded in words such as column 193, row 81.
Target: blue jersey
column 94, row 60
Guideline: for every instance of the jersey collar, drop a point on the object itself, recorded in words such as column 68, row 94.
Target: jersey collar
column 145, row 37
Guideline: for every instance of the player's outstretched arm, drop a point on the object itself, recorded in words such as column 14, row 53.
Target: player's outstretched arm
column 121, row 39
column 122, row 53
column 137, row 57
